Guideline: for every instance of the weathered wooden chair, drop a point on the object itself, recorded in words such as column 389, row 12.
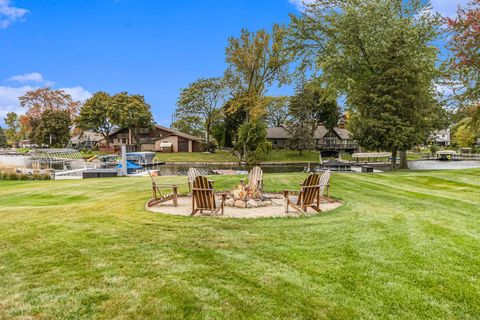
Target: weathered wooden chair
column 203, row 197
column 255, row 179
column 325, row 186
column 159, row 197
column 311, row 191
column 192, row 174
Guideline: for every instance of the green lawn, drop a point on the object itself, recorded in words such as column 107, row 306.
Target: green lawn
column 224, row 156
column 405, row 245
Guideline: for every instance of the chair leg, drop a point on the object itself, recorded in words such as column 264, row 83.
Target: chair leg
column 175, row 196
column 285, row 196
column 224, row 198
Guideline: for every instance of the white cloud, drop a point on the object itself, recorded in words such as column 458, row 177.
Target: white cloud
column 9, row 13
column 78, row 93
column 300, row 4
column 446, row 8
column 9, row 99
column 28, row 77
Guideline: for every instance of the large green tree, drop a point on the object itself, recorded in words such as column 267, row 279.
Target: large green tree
column 256, row 60
column 276, row 112
column 201, row 101
column 380, row 54
column 132, row 112
column 52, row 128
column 252, row 136
column 311, row 106
column 96, row 115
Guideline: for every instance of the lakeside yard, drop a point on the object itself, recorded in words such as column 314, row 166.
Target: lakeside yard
column 404, row 246
column 225, row 156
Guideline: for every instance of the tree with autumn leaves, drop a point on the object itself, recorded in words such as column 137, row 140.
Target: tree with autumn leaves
column 50, row 115
column 464, row 44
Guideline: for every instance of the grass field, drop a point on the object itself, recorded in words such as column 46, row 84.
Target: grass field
column 404, row 246
column 224, row 156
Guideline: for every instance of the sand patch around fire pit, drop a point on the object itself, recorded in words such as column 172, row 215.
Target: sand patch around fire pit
column 277, row 209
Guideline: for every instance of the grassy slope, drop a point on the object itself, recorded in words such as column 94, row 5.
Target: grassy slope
column 404, row 245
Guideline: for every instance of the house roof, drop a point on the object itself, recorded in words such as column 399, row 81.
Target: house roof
column 178, row 133
column 169, row 130
column 278, row 133
column 344, row 134
column 87, row 136
column 282, row 133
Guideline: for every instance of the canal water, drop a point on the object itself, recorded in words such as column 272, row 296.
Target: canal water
column 208, row 169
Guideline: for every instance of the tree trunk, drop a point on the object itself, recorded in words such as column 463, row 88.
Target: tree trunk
column 208, row 135
column 107, row 140
column 245, row 150
column 393, row 164
column 403, row 159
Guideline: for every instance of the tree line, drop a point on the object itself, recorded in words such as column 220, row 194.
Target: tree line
column 379, row 57
column 52, row 116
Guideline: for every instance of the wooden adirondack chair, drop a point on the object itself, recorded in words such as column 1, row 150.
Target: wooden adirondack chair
column 325, row 185
column 255, row 179
column 192, row 174
column 159, row 197
column 311, row 191
column 203, row 197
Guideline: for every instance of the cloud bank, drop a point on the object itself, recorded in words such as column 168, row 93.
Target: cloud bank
column 10, row 14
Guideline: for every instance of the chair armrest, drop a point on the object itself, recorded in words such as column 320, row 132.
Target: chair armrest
column 290, row 190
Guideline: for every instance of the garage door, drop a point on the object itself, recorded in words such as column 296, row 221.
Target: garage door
column 182, row 146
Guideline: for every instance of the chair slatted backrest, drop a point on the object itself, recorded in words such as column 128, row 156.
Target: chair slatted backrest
column 309, row 190
column 203, row 193
column 324, row 182
column 192, row 174
column 255, row 176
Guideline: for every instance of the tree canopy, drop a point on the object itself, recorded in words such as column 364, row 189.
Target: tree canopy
column 199, row 103
column 255, row 61
column 96, row 115
column 380, row 55
column 311, row 106
column 132, row 112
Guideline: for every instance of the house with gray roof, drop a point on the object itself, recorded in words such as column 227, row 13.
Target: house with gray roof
column 337, row 139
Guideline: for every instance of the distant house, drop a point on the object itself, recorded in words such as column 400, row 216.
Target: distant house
column 26, row 144
column 442, row 138
column 158, row 138
column 87, row 139
column 337, row 139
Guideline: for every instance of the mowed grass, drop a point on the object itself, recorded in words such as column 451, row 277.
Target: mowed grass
column 405, row 245
column 225, row 156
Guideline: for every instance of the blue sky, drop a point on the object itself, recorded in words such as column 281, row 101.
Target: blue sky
column 149, row 47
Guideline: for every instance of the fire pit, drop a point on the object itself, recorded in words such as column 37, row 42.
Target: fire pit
column 245, row 196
